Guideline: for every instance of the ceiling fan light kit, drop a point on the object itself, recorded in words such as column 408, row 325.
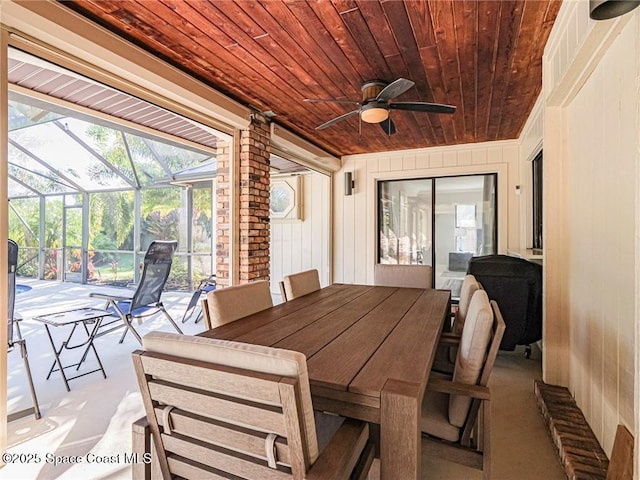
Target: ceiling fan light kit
column 373, row 114
column 376, row 104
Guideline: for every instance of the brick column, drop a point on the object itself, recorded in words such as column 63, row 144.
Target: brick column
column 252, row 194
column 254, row 201
column 223, row 213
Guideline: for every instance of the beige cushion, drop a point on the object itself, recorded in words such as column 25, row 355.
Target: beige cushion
column 231, row 303
column 256, row 358
column 472, row 350
column 411, row 276
column 435, row 415
column 299, row 284
column 469, row 287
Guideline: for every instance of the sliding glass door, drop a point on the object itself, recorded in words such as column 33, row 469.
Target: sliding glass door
column 441, row 222
column 405, row 221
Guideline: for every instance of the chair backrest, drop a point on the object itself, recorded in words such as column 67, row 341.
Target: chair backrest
column 228, row 304
column 155, row 271
column 283, row 293
column 302, row 283
column 469, row 287
column 216, row 405
column 479, row 343
column 12, row 260
column 412, row 276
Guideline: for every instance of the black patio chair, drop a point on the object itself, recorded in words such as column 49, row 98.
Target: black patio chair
column 145, row 301
column 13, row 319
column 205, row 286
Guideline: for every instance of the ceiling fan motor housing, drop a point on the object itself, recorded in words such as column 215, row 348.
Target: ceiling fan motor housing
column 371, row 111
column 371, row 88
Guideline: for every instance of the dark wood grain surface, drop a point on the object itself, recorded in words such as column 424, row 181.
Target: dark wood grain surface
column 482, row 56
column 355, row 337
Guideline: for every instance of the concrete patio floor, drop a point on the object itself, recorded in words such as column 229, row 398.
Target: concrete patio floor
column 93, row 420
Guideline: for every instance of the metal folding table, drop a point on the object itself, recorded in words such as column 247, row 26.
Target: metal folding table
column 81, row 316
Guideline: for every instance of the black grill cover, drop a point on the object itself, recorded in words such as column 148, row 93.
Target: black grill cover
column 516, row 285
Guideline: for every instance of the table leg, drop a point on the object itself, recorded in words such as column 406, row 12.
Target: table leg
column 400, row 437
column 56, row 353
column 92, row 336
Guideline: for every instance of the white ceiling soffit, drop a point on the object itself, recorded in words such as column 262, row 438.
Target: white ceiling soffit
column 285, row 166
column 34, row 74
column 289, row 145
column 101, row 55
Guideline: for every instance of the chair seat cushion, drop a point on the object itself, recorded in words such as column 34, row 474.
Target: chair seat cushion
column 326, row 427
column 435, row 417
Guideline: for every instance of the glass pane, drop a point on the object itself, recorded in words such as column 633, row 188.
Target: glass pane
column 464, row 226
column 28, row 262
column 53, row 266
column 73, row 230
column 178, row 275
column 405, row 222
column 201, row 268
column 112, row 267
column 202, row 221
column 175, row 158
column 160, row 216
column 24, row 221
column 111, row 220
column 21, row 115
column 53, row 222
column 64, row 154
column 536, row 184
column 16, row 189
column 73, row 243
column 147, row 167
column 34, row 174
column 24, row 225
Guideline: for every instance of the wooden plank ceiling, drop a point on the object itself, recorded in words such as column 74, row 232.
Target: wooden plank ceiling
column 482, row 56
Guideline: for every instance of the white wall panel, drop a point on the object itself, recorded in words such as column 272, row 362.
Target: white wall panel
column 298, row 245
column 355, row 216
column 601, row 221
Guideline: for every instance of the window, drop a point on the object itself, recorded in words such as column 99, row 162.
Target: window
column 537, row 200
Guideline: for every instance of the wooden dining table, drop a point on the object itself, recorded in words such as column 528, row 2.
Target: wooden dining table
column 369, row 352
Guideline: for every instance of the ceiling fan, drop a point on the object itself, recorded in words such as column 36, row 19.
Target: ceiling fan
column 376, row 104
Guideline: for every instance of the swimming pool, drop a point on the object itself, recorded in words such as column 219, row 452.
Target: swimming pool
column 22, row 288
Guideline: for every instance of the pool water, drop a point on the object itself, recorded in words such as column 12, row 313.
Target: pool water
column 22, row 288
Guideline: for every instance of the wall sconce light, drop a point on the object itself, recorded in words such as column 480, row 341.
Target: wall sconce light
column 606, row 9
column 349, row 183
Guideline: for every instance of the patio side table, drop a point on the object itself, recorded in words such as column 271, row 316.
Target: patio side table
column 81, row 316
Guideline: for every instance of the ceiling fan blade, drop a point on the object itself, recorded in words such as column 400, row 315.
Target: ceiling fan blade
column 330, row 100
column 388, row 126
column 394, row 89
column 422, row 107
column 337, row 119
